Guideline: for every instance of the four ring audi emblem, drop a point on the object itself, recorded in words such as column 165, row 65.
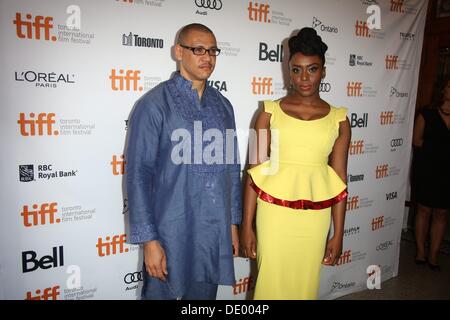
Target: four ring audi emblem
column 133, row 277
column 325, row 87
column 396, row 142
column 209, row 4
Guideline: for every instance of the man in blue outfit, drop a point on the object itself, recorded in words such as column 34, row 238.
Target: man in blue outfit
column 183, row 177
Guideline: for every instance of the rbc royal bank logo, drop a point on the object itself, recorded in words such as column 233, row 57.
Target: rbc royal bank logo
column 26, row 173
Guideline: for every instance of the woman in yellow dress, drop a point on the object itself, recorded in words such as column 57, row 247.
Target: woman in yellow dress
column 302, row 187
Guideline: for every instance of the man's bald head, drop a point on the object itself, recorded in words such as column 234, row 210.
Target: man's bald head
column 184, row 32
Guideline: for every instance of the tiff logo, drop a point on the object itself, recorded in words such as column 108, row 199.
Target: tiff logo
column 114, row 246
column 362, row 29
column 51, row 293
column 40, row 23
column 118, row 166
column 386, row 117
column 354, row 89
column 356, row 147
column 262, row 85
column 243, row 285
column 258, row 12
column 397, row 5
column 125, row 80
column 35, row 217
column 352, row 203
column 381, row 171
column 44, row 120
column 391, row 62
column 377, row 223
column 344, row 258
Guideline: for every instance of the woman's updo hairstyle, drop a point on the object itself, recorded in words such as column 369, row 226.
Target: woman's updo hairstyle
column 308, row 43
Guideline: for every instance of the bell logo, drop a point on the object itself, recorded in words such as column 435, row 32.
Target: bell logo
column 46, row 262
column 386, row 118
column 271, row 55
column 125, row 80
column 352, row 203
column 377, row 223
column 344, row 258
column 258, row 12
column 262, row 85
column 359, row 122
column 118, row 166
column 397, row 6
column 354, row 89
column 356, row 147
column 381, row 171
column 39, row 23
column 391, row 62
column 28, row 127
column 362, row 29
column 51, row 293
column 243, row 285
column 114, row 246
column 45, row 214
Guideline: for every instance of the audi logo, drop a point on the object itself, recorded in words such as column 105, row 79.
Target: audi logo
column 384, row 246
column 325, row 87
column 396, row 142
column 209, row 4
column 133, row 277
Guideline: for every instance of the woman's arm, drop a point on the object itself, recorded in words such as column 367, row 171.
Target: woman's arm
column 258, row 153
column 338, row 161
column 419, row 127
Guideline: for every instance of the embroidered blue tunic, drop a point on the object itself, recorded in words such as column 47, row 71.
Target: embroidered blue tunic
column 189, row 208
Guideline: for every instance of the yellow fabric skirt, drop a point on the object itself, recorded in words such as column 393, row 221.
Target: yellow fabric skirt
column 290, row 248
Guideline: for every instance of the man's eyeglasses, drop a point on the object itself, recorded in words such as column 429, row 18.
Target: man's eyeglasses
column 200, row 51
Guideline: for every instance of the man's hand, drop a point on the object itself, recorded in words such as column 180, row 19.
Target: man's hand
column 155, row 260
column 235, row 239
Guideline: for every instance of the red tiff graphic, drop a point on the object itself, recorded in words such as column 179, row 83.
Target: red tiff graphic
column 45, row 214
column 258, row 12
column 125, row 80
column 112, row 245
column 44, row 121
column 31, row 28
column 51, row 293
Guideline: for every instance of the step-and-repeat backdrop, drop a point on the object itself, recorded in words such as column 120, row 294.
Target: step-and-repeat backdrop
column 72, row 71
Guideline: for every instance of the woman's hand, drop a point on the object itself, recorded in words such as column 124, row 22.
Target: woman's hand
column 248, row 241
column 333, row 251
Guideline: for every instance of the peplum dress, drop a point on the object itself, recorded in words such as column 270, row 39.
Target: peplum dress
column 296, row 189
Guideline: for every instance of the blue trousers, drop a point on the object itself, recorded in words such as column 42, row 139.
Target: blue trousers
column 155, row 289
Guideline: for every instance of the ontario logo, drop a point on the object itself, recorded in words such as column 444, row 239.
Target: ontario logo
column 317, row 24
